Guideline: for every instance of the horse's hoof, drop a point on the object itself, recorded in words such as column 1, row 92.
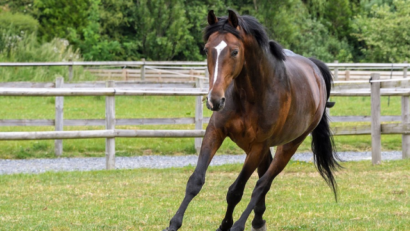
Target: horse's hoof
column 263, row 228
column 167, row 229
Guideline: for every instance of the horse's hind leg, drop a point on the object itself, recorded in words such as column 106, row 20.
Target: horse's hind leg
column 235, row 191
column 279, row 162
column 258, row 224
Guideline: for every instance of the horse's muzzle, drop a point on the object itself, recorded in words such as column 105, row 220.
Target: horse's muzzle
column 215, row 104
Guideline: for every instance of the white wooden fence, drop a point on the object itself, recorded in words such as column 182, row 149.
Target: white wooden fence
column 110, row 89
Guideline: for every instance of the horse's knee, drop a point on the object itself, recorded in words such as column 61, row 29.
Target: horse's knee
column 234, row 195
column 195, row 183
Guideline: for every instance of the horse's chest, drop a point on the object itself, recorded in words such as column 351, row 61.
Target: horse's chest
column 243, row 132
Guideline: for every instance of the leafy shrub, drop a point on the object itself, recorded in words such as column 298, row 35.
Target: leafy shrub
column 27, row 49
column 385, row 32
column 315, row 40
column 18, row 23
column 57, row 17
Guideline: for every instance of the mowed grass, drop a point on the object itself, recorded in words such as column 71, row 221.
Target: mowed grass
column 370, row 198
column 154, row 107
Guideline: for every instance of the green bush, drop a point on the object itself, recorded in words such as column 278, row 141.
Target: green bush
column 315, row 40
column 18, row 23
column 58, row 16
column 347, row 30
column 27, row 49
column 385, row 32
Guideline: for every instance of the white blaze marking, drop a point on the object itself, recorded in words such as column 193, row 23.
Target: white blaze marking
column 218, row 48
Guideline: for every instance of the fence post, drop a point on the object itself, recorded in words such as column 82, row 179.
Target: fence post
column 110, row 125
column 376, row 127
column 405, row 118
column 125, row 74
column 336, row 71
column 143, row 70
column 70, row 72
column 347, row 75
column 199, row 115
column 59, row 117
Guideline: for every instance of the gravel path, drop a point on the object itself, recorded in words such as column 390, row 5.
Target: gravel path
column 87, row 164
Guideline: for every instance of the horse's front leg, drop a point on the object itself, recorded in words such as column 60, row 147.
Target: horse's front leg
column 212, row 141
column 258, row 224
column 254, row 159
column 279, row 162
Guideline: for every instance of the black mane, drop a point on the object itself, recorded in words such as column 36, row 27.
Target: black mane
column 276, row 50
column 250, row 26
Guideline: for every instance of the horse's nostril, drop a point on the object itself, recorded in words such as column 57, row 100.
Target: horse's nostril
column 223, row 100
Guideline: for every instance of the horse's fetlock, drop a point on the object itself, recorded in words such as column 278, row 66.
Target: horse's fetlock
column 260, row 209
column 175, row 224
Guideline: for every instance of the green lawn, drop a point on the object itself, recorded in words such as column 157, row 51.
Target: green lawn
column 153, row 107
column 370, row 198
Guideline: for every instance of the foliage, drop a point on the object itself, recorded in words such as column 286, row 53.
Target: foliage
column 91, row 43
column 163, row 29
column 315, row 40
column 58, row 17
column 26, row 48
column 347, row 30
column 282, row 19
column 18, row 6
column 385, row 32
column 18, row 23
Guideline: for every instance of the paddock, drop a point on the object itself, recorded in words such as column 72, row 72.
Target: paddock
column 107, row 200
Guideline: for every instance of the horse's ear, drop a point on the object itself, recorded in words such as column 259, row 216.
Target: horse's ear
column 233, row 19
column 212, row 19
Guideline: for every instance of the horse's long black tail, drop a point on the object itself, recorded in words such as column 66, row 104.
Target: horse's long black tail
column 323, row 147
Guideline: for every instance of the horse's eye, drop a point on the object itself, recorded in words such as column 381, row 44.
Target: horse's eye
column 234, row 53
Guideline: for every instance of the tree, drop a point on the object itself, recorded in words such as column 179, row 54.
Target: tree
column 92, row 45
column 385, row 32
column 58, row 17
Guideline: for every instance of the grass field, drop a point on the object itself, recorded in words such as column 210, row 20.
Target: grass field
column 153, row 107
column 370, row 198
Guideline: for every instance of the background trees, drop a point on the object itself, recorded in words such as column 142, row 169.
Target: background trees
column 344, row 30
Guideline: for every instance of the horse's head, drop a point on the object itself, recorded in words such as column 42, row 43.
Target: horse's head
column 225, row 56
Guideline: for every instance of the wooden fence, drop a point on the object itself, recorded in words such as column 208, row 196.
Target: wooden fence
column 197, row 88
column 375, row 89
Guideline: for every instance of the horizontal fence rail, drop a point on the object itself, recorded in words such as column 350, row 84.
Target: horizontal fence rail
column 161, row 121
column 116, row 133
column 98, row 92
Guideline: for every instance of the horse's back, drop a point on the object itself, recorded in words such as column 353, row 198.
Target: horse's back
column 305, row 77
column 307, row 92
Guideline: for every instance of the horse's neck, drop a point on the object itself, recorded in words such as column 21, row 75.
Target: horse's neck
column 255, row 77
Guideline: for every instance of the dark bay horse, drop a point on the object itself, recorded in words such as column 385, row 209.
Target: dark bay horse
column 262, row 96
